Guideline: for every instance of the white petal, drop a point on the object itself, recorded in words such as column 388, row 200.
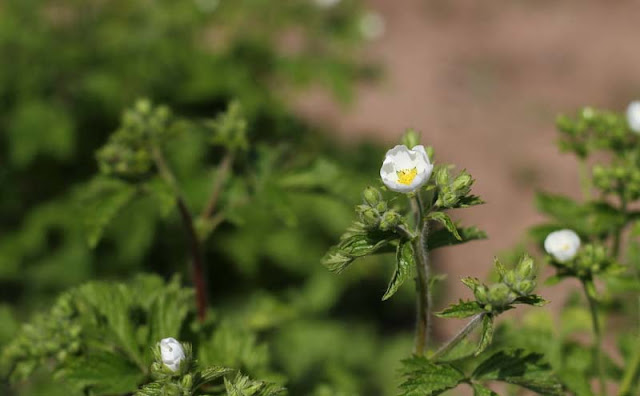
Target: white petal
column 633, row 116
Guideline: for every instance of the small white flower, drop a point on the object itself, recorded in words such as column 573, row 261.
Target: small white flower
column 326, row 3
column 172, row 353
column 405, row 170
column 633, row 116
column 563, row 245
column 372, row 25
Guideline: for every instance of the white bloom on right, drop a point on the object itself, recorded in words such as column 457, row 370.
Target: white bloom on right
column 405, row 170
column 172, row 353
column 633, row 116
column 326, row 3
column 563, row 245
column 372, row 25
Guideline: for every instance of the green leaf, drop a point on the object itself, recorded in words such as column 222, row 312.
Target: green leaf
column 463, row 309
column 487, row 334
column 209, row 374
column 516, row 366
column 425, row 378
column 532, row 299
column 441, row 238
column 101, row 201
column 481, row 390
column 244, row 386
column 405, row 261
column 592, row 218
column 105, row 373
column 446, row 221
column 356, row 242
column 468, row 201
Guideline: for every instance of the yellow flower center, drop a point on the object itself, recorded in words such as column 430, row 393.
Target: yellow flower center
column 406, row 176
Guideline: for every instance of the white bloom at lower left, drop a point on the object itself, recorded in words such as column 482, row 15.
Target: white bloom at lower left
column 405, row 170
column 172, row 353
column 633, row 116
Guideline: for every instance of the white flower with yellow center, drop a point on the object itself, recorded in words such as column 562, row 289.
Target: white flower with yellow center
column 633, row 116
column 405, row 170
column 563, row 245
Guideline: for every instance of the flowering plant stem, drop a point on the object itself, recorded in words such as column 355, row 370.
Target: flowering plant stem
column 462, row 334
column 586, row 284
column 423, row 298
column 631, row 372
column 197, row 259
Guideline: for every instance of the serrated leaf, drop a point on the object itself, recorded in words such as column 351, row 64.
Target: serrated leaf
column 532, row 299
column 425, row 378
column 481, row 390
column 244, row 386
column 405, row 261
column 163, row 194
column 470, row 282
column 442, row 237
column 356, row 242
column 211, row 373
column 468, row 201
column 105, row 373
column 101, row 201
column 446, row 221
column 462, row 309
column 519, row 367
column 487, row 334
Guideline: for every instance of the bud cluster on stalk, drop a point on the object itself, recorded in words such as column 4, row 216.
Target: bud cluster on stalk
column 514, row 283
column 375, row 213
column 622, row 177
column 127, row 153
column 592, row 259
column 451, row 190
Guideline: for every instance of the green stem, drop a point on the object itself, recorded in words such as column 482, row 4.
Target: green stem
column 197, row 258
column 597, row 336
column 462, row 334
column 585, row 181
column 423, row 298
column 631, row 372
column 617, row 237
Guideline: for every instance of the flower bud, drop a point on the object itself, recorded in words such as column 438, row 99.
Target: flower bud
column 370, row 217
column 526, row 268
column 481, row 294
column 390, row 220
column 187, row 382
column 462, row 183
column 371, row 196
column 172, row 353
column 500, row 295
column 563, row 245
column 525, row 287
column 381, row 207
column 442, row 177
column 633, row 116
column 510, row 278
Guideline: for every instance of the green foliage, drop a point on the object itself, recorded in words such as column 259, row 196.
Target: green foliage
column 423, row 377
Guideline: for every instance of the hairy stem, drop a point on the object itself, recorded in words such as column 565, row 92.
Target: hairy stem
column 631, row 372
column 221, row 177
column 423, row 298
column 461, row 335
column 597, row 337
column 197, row 258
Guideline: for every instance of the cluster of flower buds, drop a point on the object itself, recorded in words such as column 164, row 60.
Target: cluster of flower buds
column 517, row 282
column 450, row 191
column 564, row 248
column 127, row 154
column 375, row 213
column 623, row 177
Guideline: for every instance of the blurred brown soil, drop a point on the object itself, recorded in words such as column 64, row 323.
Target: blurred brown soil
column 483, row 81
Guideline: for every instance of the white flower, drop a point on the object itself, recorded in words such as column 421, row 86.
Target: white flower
column 172, row 353
column 326, row 3
column 405, row 170
column 563, row 245
column 633, row 116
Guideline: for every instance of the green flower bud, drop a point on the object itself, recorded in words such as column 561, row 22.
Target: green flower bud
column 390, row 220
column 448, row 199
column 526, row 268
column 370, row 217
column 442, row 176
column 500, row 295
column 525, row 287
column 187, row 382
column 372, row 196
column 411, row 138
column 510, row 278
column 462, row 183
column 381, row 207
column 481, row 294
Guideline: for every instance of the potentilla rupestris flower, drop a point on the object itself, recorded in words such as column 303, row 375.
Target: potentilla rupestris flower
column 405, row 170
column 633, row 116
column 172, row 353
column 563, row 245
